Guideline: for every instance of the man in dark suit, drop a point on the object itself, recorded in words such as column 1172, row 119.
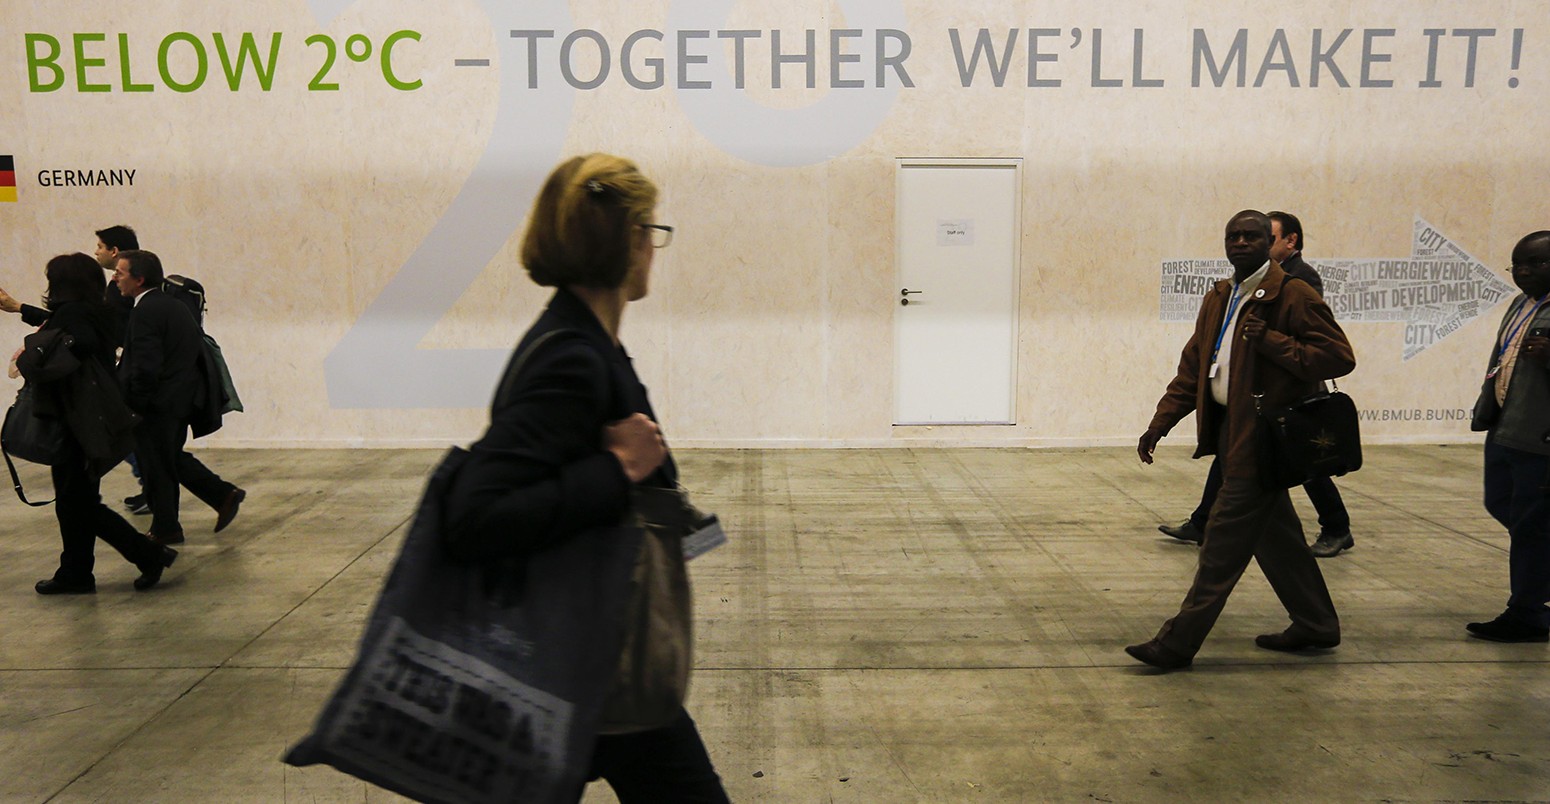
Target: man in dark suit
column 1334, row 521
column 223, row 497
column 159, row 372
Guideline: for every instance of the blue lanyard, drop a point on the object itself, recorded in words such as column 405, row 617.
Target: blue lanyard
column 1507, row 341
column 1232, row 306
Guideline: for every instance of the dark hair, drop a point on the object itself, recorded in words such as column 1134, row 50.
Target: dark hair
column 73, row 278
column 1289, row 226
column 144, row 265
column 1259, row 217
column 583, row 224
column 1542, row 234
column 120, row 237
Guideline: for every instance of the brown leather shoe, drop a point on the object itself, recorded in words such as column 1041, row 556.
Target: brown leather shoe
column 228, row 510
column 1290, row 642
column 1154, row 654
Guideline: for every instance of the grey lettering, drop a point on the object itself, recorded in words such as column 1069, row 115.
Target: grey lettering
column 738, row 38
column 603, row 58
column 885, row 61
column 685, row 58
column 652, row 63
column 1370, row 58
column 808, row 57
column 836, row 58
column 1240, row 46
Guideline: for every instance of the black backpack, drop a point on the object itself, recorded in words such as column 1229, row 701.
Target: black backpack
column 188, row 291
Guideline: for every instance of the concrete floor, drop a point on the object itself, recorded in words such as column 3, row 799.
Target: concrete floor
column 885, row 626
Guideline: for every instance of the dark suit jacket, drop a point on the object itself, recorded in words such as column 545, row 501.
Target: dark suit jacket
column 118, row 308
column 540, row 473
column 88, row 399
column 1297, row 269
column 161, row 350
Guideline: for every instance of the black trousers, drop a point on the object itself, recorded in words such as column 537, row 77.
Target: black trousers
column 83, row 519
column 159, row 440
column 669, row 764
column 201, row 482
column 1326, row 500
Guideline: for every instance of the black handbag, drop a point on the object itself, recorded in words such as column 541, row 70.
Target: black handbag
column 1314, row 437
column 30, row 438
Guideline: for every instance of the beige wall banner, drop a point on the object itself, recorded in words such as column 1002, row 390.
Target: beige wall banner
column 349, row 180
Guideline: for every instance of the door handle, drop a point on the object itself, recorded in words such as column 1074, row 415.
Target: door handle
column 907, row 292
column 904, row 296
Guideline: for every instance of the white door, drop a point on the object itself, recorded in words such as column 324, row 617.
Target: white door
column 955, row 307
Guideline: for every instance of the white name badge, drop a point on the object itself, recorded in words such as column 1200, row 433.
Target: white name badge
column 708, row 537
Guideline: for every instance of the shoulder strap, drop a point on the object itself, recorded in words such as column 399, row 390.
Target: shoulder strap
column 513, row 371
column 16, row 482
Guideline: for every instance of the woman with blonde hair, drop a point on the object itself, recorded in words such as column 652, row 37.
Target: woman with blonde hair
column 573, row 438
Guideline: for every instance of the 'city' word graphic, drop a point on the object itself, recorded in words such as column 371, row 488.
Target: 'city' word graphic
column 1435, row 291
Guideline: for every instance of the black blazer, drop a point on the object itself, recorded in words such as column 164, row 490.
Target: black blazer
column 161, row 350
column 88, row 399
column 540, row 473
column 1296, row 268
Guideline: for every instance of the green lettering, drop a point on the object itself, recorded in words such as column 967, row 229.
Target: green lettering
column 248, row 48
column 330, row 52
column 35, row 63
column 82, row 62
column 123, row 66
column 201, row 59
column 387, row 61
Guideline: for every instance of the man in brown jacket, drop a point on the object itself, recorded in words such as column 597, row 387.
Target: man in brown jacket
column 1257, row 335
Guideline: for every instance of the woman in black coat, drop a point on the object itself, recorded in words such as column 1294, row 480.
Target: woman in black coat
column 75, row 303
column 573, row 432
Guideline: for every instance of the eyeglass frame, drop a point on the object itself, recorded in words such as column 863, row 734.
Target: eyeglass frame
column 659, row 228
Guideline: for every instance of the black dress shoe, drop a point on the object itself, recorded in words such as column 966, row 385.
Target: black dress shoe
column 150, row 574
column 1330, row 544
column 1158, row 656
column 137, row 504
column 1291, row 642
column 169, row 538
column 1505, row 630
column 1184, row 531
column 55, row 586
column 228, row 510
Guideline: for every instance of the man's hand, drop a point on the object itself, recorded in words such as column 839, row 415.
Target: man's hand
column 638, row 445
column 1536, row 349
column 8, row 303
column 1148, row 444
column 1253, row 327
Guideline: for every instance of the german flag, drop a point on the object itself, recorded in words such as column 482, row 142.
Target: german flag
column 7, row 178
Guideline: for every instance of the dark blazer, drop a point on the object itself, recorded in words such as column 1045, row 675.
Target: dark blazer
column 1296, row 268
column 540, row 473
column 88, row 399
column 161, row 351
column 118, row 309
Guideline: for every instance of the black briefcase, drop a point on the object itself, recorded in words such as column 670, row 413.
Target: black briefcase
column 1316, row 436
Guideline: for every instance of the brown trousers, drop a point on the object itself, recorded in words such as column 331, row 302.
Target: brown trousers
column 1249, row 521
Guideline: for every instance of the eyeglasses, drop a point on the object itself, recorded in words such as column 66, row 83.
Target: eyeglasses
column 660, row 235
